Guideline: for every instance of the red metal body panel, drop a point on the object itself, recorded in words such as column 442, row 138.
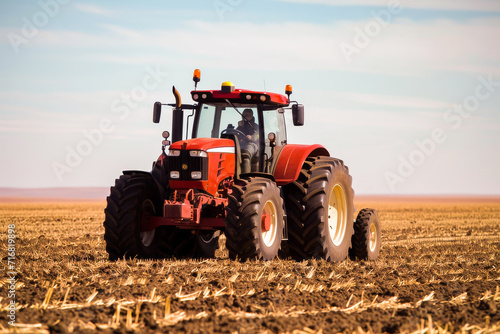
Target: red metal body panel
column 292, row 158
column 184, row 185
column 202, row 144
column 221, row 166
column 204, row 224
column 184, row 211
column 177, row 210
column 240, row 94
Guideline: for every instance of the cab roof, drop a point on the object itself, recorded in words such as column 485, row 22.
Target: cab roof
column 240, row 96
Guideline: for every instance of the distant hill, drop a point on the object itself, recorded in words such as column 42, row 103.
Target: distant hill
column 53, row 194
column 100, row 194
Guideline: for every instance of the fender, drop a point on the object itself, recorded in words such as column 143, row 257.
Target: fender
column 258, row 174
column 292, row 158
column 132, row 172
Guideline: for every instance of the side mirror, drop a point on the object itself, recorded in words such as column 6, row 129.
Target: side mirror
column 156, row 112
column 298, row 114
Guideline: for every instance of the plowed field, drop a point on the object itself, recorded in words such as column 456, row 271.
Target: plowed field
column 438, row 271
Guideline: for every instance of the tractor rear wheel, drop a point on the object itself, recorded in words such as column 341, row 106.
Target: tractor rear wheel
column 132, row 200
column 367, row 236
column 320, row 210
column 207, row 244
column 178, row 243
column 254, row 223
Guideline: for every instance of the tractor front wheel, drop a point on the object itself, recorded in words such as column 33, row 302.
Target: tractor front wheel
column 132, row 201
column 179, row 243
column 367, row 236
column 320, row 210
column 208, row 243
column 254, row 223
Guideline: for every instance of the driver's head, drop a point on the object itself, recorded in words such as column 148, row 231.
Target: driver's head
column 248, row 114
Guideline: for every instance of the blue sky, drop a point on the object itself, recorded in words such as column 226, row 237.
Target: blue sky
column 407, row 93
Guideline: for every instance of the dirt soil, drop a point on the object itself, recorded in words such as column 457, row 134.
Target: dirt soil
column 438, row 270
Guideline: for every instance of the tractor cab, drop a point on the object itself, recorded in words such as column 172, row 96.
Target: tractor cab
column 254, row 121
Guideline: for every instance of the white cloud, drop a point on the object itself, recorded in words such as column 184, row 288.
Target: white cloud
column 93, row 9
column 67, row 112
column 391, row 100
column 461, row 5
column 404, row 47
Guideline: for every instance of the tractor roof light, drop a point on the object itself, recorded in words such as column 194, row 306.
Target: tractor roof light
column 288, row 90
column 196, row 77
column 227, row 87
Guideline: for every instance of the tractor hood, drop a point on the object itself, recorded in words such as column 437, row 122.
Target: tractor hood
column 205, row 144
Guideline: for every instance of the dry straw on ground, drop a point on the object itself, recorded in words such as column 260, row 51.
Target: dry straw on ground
column 438, row 272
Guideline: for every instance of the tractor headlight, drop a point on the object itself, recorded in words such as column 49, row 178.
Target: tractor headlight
column 201, row 154
column 174, row 153
column 196, row 175
column 174, row 175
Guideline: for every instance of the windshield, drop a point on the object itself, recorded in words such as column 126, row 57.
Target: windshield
column 249, row 124
column 216, row 118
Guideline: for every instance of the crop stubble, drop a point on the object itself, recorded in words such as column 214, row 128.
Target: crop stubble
column 438, row 269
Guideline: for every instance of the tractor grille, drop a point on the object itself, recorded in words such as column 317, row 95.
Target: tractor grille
column 185, row 164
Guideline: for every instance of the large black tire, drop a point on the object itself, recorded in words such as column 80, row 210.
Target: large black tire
column 176, row 243
column 207, row 244
column 367, row 236
column 320, row 210
column 251, row 201
column 132, row 200
column 179, row 243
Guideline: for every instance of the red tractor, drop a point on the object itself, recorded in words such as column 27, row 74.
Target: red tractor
column 230, row 169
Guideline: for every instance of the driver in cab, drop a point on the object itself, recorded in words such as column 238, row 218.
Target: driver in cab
column 248, row 144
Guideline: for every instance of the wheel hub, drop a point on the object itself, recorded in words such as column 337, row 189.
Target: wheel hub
column 266, row 222
column 337, row 215
column 269, row 223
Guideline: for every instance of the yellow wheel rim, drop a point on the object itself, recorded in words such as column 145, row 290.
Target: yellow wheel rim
column 373, row 237
column 337, row 215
